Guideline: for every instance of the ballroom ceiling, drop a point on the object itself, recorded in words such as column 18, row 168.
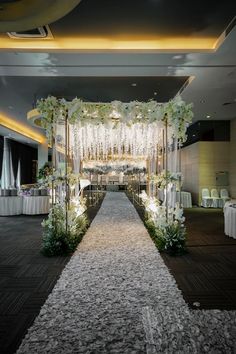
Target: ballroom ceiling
column 132, row 24
column 94, row 89
column 93, row 18
column 107, row 75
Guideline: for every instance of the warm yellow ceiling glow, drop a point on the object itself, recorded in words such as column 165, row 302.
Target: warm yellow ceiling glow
column 19, row 128
column 34, row 117
column 82, row 43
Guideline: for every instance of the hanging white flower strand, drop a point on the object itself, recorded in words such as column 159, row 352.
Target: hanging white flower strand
column 100, row 141
column 175, row 113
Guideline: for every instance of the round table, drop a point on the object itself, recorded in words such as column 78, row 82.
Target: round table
column 36, row 205
column 186, row 199
column 230, row 220
column 173, row 197
column 229, row 202
column 10, row 206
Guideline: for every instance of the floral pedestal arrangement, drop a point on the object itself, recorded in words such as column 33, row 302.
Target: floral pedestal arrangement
column 166, row 226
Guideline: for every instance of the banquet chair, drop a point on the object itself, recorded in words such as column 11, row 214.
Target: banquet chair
column 207, row 201
column 224, row 197
column 215, row 197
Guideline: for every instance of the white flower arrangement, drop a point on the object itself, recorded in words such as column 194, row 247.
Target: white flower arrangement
column 175, row 113
column 158, row 212
column 163, row 179
column 61, row 237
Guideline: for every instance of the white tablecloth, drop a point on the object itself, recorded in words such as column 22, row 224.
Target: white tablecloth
column 10, row 206
column 173, row 197
column 186, row 199
column 230, row 221
column 229, row 202
column 36, row 205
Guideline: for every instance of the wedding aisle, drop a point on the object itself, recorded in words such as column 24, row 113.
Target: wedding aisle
column 117, row 296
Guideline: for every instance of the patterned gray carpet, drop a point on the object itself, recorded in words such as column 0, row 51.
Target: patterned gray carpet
column 117, row 296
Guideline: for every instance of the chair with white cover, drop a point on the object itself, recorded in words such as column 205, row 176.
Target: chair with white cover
column 207, row 201
column 224, row 197
column 215, row 197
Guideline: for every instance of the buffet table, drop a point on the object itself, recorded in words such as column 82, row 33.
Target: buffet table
column 10, row 206
column 36, row 205
column 230, row 221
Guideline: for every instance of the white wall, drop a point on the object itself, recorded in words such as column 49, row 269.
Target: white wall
column 214, row 157
column 190, row 170
column 200, row 162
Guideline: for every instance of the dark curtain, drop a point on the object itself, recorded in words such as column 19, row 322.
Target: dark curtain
column 15, row 155
column 27, row 156
column 1, row 153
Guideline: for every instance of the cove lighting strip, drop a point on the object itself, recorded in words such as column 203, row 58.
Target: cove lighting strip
column 87, row 43
column 21, row 129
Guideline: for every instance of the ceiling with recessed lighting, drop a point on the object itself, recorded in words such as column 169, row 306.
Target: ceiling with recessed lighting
column 129, row 24
column 208, row 79
column 93, row 89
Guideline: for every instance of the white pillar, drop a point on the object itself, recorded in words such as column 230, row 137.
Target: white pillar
column 42, row 154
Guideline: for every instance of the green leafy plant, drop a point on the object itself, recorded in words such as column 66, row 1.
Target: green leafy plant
column 165, row 225
column 45, row 171
column 57, row 239
column 170, row 239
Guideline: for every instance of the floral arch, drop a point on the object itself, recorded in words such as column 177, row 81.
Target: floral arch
column 80, row 131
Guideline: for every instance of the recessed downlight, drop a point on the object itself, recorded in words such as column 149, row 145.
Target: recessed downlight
column 155, row 93
column 176, row 57
column 134, row 84
column 208, row 116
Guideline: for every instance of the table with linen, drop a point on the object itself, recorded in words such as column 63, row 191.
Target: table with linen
column 186, row 199
column 229, row 202
column 10, row 205
column 230, row 220
column 173, row 197
column 36, row 205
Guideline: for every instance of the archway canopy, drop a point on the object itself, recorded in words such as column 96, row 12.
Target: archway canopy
column 99, row 130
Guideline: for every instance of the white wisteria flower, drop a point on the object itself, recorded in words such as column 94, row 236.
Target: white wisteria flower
column 175, row 113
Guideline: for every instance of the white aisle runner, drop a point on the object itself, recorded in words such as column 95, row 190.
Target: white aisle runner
column 117, row 296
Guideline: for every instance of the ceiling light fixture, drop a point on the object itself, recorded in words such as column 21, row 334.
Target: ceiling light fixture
column 155, row 93
column 134, row 84
column 208, row 116
column 176, row 57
